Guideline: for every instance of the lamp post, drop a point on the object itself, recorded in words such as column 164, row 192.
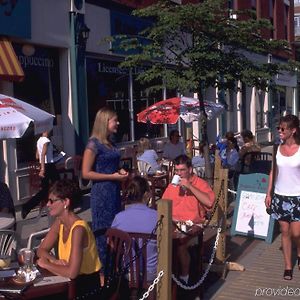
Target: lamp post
column 79, row 37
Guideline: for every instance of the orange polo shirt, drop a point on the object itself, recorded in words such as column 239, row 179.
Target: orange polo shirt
column 185, row 206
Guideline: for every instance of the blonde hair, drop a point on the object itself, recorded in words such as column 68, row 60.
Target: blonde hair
column 100, row 128
column 144, row 144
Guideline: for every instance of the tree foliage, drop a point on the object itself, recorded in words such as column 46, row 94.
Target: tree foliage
column 191, row 46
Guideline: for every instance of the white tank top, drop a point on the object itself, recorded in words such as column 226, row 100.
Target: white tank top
column 288, row 179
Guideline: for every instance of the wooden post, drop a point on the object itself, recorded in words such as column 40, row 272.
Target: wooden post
column 220, row 189
column 222, row 215
column 217, row 185
column 164, row 248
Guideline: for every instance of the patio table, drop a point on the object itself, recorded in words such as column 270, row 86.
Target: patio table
column 50, row 285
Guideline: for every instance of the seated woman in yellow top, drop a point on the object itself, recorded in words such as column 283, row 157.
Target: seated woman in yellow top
column 77, row 253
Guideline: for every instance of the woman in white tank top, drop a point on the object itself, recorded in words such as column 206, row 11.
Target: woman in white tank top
column 285, row 203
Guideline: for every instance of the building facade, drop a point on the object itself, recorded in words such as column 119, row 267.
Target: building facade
column 45, row 35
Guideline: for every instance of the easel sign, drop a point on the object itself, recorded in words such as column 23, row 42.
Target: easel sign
column 250, row 217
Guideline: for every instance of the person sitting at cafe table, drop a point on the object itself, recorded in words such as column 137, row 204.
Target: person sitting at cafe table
column 77, row 253
column 138, row 217
column 191, row 199
column 249, row 144
column 148, row 155
column 174, row 147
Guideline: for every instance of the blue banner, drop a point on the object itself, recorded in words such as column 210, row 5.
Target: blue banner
column 15, row 18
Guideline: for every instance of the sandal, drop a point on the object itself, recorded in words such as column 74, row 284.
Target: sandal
column 288, row 275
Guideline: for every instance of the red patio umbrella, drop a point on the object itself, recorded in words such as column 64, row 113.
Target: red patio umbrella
column 168, row 111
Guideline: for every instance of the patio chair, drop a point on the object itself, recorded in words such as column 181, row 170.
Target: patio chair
column 139, row 280
column 73, row 166
column 8, row 243
column 171, row 170
column 118, row 247
column 256, row 162
column 34, row 178
column 143, row 167
column 36, row 238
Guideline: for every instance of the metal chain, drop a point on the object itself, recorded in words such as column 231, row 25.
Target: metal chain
column 186, row 287
column 221, row 191
column 140, row 249
column 232, row 191
column 151, row 287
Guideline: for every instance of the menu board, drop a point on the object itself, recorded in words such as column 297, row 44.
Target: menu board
column 250, row 217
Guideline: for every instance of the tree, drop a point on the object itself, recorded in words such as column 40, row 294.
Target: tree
column 196, row 46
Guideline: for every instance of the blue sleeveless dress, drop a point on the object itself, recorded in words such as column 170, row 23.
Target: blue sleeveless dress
column 105, row 195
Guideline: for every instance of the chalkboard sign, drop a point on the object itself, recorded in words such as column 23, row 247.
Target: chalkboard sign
column 250, row 217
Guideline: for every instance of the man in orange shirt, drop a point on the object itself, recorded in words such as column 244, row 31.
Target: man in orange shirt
column 191, row 198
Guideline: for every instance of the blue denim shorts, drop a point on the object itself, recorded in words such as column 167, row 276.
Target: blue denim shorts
column 285, row 208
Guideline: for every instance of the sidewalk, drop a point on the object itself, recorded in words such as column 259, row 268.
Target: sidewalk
column 262, row 277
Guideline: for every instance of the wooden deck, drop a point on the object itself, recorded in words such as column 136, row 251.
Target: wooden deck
column 262, row 277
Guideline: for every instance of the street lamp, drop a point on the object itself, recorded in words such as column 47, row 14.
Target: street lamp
column 82, row 34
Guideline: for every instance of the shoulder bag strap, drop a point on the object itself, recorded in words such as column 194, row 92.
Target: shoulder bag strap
column 274, row 166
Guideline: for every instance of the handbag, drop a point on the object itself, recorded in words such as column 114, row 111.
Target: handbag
column 274, row 170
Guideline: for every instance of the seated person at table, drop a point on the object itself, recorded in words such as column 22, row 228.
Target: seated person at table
column 249, row 143
column 138, row 217
column 198, row 160
column 7, row 208
column 77, row 253
column 145, row 153
column 232, row 155
column 191, row 199
column 174, row 147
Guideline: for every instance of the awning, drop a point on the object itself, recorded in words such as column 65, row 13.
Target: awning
column 10, row 68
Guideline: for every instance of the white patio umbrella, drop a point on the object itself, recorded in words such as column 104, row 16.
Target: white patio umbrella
column 16, row 115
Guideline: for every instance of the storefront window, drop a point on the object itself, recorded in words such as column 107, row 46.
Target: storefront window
column 41, row 88
column 108, row 84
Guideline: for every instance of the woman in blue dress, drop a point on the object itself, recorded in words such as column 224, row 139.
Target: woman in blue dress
column 101, row 165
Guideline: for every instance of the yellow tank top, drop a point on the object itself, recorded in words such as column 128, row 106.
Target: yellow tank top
column 90, row 260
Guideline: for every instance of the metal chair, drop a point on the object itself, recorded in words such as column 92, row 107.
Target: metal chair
column 256, row 162
column 34, row 178
column 73, row 165
column 8, row 243
column 35, row 238
column 171, row 170
column 143, row 167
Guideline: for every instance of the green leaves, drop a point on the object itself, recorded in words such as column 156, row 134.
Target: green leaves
column 193, row 44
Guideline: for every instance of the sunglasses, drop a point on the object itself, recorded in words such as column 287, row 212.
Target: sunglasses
column 54, row 200
column 281, row 129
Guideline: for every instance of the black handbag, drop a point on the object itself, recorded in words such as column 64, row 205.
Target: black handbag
column 274, row 170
